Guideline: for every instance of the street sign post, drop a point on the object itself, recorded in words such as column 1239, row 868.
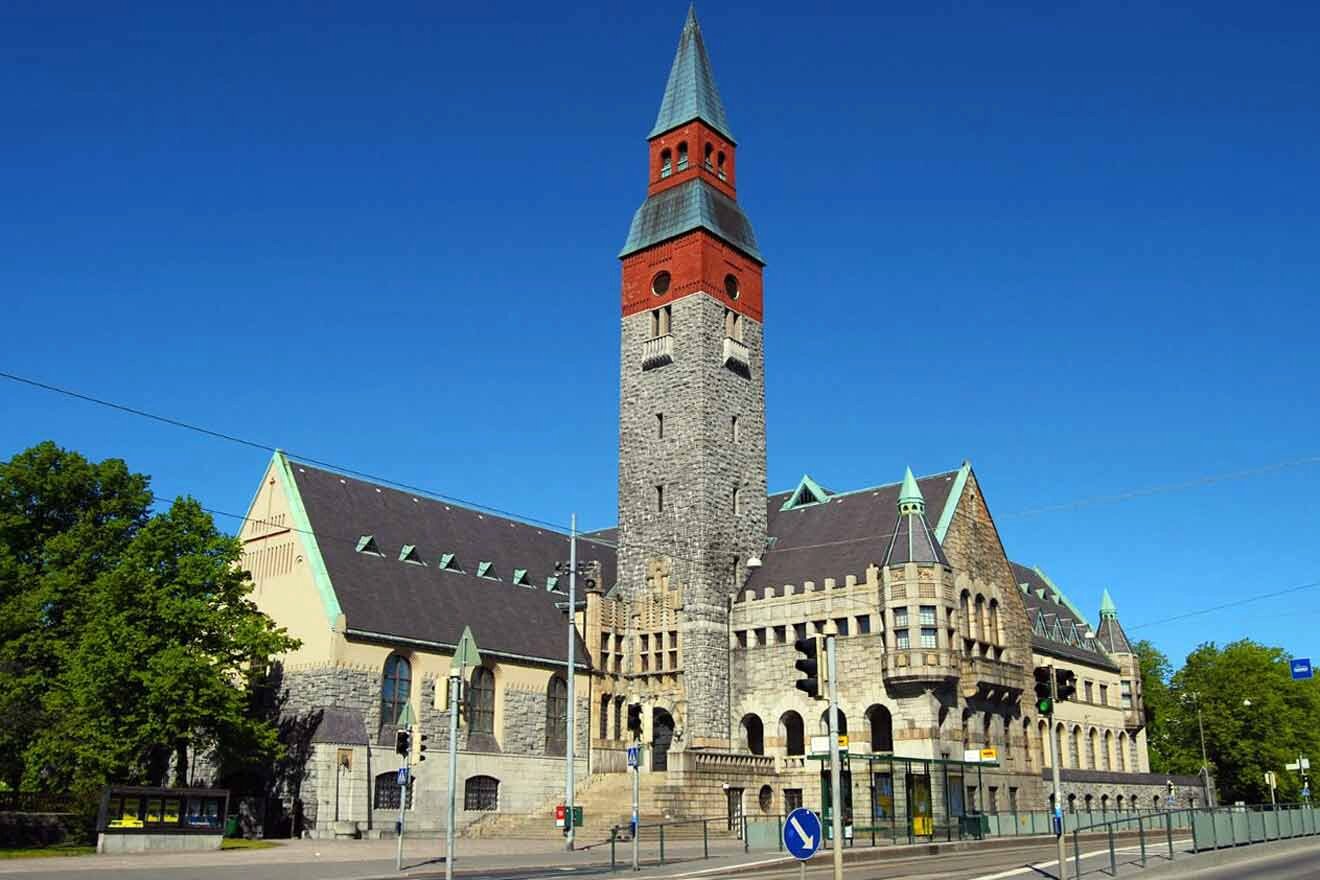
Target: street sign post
column 802, row 834
column 634, row 756
column 1301, row 668
column 403, row 776
column 465, row 655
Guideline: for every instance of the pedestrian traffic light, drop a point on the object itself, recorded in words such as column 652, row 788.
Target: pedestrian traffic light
column 811, row 649
column 1168, row 785
column 635, row 720
column 402, row 742
column 1067, row 682
column 421, row 746
column 1045, row 690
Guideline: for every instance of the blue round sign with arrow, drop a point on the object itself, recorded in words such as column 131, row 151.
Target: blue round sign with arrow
column 802, row 837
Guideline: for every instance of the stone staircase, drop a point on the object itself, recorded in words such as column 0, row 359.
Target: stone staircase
column 606, row 801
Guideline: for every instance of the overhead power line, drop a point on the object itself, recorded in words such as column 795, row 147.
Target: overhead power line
column 1210, row 609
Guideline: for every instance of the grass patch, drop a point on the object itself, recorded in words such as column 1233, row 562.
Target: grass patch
column 43, row 852
column 244, row 843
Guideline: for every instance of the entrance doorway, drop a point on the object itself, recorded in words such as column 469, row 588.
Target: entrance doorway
column 662, row 734
column 735, row 810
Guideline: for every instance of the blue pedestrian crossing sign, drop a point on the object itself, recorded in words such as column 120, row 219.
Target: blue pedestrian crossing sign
column 1301, row 668
column 634, row 756
column 802, row 834
column 403, row 776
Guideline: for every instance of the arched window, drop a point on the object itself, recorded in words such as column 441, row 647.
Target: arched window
column 666, row 163
column 396, row 685
column 737, row 501
column 1026, row 741
column 994, row 623
column 825, row 722
column 682, row 156
column 1075, row 748
column 386, row 791
column 481, row 702
column 965, row 612
column 1043, row 743
column 481, row 793
column 1109, row 747
column 719, row 161
column 709, row 149
column 1157, row 802
column 1072, row 803
column 1119, row 802
column 1089, row 800
column 753, row 734
column 988, row 731
column 604, row 721
column 556, row 716
column 1104, row 802
column 982, row 620
column 1092, row 746
column 791, row 732
column 881, row 723
column 1121, row 754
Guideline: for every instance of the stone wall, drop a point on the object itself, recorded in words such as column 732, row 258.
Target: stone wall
column 699, row 464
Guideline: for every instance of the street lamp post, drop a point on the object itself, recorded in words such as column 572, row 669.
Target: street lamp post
column 1205, row 761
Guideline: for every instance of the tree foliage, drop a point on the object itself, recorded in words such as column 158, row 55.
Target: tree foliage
column 129, row 642
column 1255, row 718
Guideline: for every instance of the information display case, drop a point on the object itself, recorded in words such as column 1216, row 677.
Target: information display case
column 137, row 818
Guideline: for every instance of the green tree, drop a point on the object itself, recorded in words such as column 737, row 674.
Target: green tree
column 64, row 522
column 132, row 641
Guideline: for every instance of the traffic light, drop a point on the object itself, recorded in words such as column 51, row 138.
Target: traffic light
column 421, row 746
column 1067, row 681
column 809, row 664
column 402, row 742
column 635, row 720
column 1169, row 787
column 1044, row 690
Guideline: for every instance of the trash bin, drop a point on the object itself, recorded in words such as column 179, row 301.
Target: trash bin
column 231, row 826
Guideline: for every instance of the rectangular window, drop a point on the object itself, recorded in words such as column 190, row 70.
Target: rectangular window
column 1125, row 694
column 900, row 617
column 741, row 635
column 618, row 717
column 660, row 425
column 792, row 799
column 842, row 624
column 799, row 631
column 781, row 635
column 660, row 499
column 1089, row 694
column 927, row 615
column 760, row 636
column 994, row 799
column 604, row 716
column 928, row 637
column 864, row 624
column 1012, row 800
column 1104, row 695
column 901, row 639
column 733, row 429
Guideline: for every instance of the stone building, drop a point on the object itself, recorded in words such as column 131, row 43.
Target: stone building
column 695, row 600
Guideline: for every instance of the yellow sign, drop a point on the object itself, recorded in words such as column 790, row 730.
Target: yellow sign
column 923, row 826
column 989, row 754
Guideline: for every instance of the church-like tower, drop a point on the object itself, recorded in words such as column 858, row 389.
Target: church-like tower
column 692, row 484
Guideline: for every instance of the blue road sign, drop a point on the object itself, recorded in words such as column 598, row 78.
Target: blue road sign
column 403, row 776
column 1301, row 668
column 802, row 835
column 634, row 756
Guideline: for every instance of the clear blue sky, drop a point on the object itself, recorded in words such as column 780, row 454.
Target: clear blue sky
column 385, row 235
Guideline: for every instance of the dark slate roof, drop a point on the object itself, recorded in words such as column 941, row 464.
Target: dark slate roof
column 690, row 92
column 397, row 600
column 1082, row 650
column 914, row 541
column 341, row 726
column 693, row 204
column 1112, row 637
column 822, row 540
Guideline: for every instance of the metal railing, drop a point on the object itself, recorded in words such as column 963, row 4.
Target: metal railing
column 656, row 831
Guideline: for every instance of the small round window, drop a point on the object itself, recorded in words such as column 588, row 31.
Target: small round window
column 766, row 798
column 731, row 286
column 660, row 283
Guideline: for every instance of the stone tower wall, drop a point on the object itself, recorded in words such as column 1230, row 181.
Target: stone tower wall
column 699, row 464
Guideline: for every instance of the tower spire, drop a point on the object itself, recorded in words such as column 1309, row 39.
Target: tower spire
column 690, row 92
column 910, row 499
column 913, row 540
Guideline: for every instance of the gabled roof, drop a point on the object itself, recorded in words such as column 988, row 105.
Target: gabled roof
column 690, row 92
column 840, row 536
column 1057, row 628
column 693, row 204
column 384, row 598
column 1110, row 634
column 913, row 539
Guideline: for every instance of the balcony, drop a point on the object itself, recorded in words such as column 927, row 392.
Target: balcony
column 914, row 665
column 992, row 678
column 1134, row 719
column 736, row 357
column 657, row 352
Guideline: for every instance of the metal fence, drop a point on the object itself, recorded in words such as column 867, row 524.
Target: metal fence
column 661, row 843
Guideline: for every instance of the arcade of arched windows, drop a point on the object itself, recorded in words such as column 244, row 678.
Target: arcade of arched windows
column 980, row 624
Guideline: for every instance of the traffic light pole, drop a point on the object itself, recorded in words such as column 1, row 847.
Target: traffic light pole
column 455, row 677
column 403, row 805
column 636, row 811
column 836, row 796
column 572, row 675
column 1054, row 765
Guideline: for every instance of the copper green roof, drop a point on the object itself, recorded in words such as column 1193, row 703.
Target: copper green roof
column 909, row 497
column 690, row 93
column 691, row 205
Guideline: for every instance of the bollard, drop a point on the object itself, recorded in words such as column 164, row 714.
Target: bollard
column 1113, row 859
column 1168, row 824
column 614, row 833
column 705, row 840
column 747, row 845
column 662, row 843
column 1141, row 833
column 779, row 827
column 1077, row 857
